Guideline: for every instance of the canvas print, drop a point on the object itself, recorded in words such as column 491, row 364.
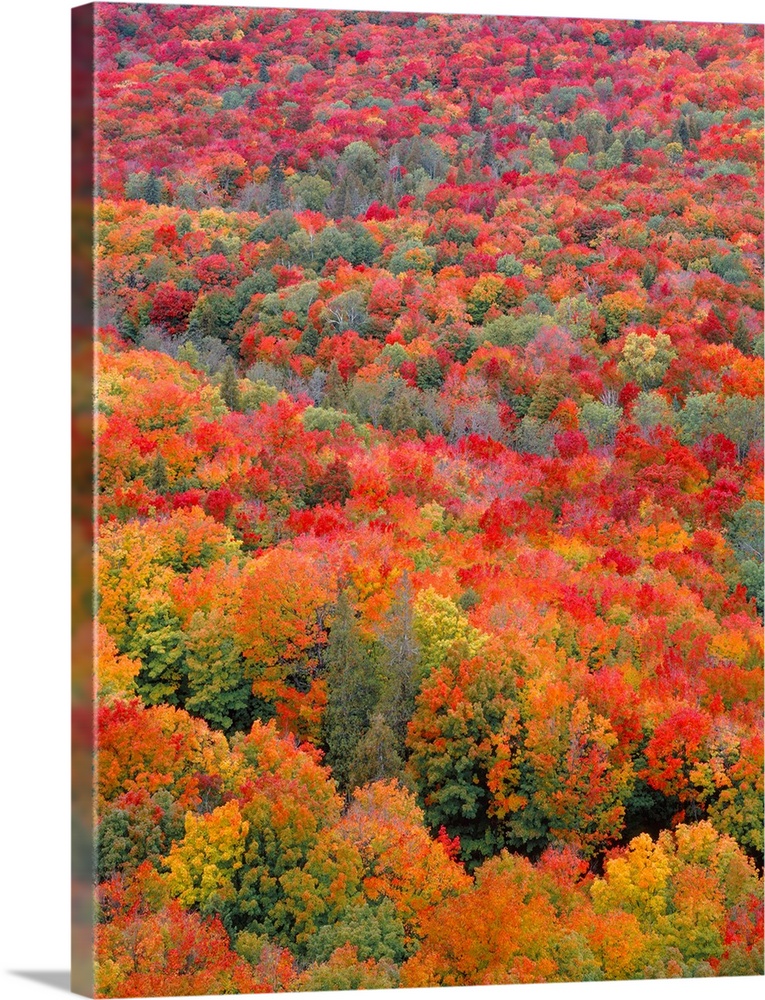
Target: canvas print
column 428, row 403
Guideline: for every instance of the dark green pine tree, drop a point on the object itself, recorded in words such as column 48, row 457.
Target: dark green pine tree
column 475, row 117
column 263, row 75
column 158, row 474
column 352, row 690
column 488, row 156
column 684, row 133
column 400, row 661
column 649, row 274
column 529, row 69
column 229, row 386
column 741, row 339
column 429, row 373
column 276, row 199
column 153, row 190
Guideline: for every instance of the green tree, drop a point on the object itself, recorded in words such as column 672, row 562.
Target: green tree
column 229, row 386
column 541, row 155
column 464, row 741
column 375, row 930
column 157, row 479
column 698, row 418
column 276, row 199
column 153, row 189
column 309, row 191
column 400, row 660
column 214, row 315
column 352, row 689
column 553, row 387
column 218, row 689
column 600, row 422
column 136, row 827
column 189, row 353
column 509, row 265
column 649, row 274
column 430, row 375
column 344, row 970
column 361, row 160
column 652, row 410
column 614, row 155
column 146, row 187
column 745, row 533
column 529, row 70
column 347, row 311
column 333, row 242
column 159, row 643
column 535, row 436
column 376, row 756
column 741, row 421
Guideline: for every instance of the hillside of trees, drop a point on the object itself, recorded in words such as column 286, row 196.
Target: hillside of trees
column 430, row 500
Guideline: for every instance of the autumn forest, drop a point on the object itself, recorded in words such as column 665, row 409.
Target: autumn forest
column 429, row 500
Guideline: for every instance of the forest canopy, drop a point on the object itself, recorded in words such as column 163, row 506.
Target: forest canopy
column 429, row 426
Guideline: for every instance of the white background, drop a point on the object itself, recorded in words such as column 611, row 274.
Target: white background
column 34, row 488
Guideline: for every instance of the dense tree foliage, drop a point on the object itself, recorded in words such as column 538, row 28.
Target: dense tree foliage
column 429, row 417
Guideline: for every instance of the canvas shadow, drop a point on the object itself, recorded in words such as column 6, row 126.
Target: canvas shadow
column 56, row 979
